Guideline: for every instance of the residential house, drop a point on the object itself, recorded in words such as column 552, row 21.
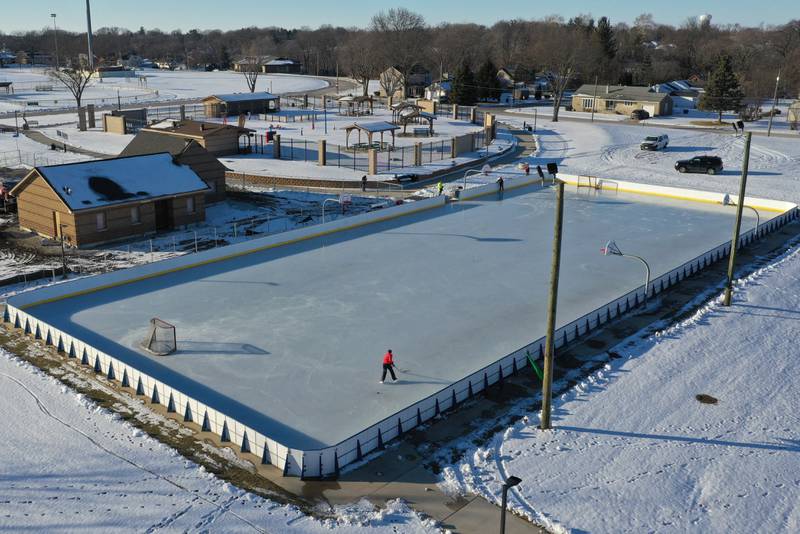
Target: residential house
column 621, row 99
column 186, row 152
column 439, row 91
column 418, row 79
column 94, row 202
column 684, row 93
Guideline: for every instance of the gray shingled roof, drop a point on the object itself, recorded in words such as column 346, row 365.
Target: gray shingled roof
column 151, row 143
column 620, row 92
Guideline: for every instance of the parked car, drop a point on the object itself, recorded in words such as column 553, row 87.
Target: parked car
column 639, row 115
column 705, row 164
column 654, row 142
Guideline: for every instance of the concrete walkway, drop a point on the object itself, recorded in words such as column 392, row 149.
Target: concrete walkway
column 39, row 137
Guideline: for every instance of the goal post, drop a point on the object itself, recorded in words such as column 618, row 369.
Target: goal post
column 588, row 181
column 161, row 339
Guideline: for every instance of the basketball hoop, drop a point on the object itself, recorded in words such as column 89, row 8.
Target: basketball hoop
column 611, row 249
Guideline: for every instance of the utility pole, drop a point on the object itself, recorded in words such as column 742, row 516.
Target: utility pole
column 55, row 36
column 547, row 383
column 594, row 98
column 774, row 103
column 89, row 36
column 736, row 227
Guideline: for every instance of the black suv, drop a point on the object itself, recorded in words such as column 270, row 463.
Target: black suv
column 640, row 114
column 705, row 164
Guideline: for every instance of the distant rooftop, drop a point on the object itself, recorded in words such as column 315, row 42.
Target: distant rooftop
column 244, row 97
column 621, row 92
column 194, row 128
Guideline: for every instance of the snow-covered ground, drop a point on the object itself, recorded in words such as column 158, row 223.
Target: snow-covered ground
column 633, row 450
column 265, row 164
column 612, row 151
column 22, row 152
column 150, row 85
column 67, row 465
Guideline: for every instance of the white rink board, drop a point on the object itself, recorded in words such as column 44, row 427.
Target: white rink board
column 286, row 343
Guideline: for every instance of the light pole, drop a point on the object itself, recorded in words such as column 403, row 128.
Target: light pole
column 611, row 249
column 726, row 301
column 63, row 252
column 535, row 114
column 726, row 201
column 338, row 201
column 774, row 102
column 594, row 98
column 552, row 304
column 89, row 36
column 55, row 36
column 507, row 485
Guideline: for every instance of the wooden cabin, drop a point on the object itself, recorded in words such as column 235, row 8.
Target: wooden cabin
column 94, row 202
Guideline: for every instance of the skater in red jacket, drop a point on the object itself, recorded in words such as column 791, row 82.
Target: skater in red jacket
column 388, row 365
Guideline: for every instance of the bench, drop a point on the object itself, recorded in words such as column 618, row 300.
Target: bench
column 417, row 132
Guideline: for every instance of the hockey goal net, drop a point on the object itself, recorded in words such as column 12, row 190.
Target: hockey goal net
column 161, row 338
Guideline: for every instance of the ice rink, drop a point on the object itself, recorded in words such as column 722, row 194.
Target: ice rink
column 290, row 340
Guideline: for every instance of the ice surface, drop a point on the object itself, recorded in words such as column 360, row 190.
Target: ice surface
column 289, row 340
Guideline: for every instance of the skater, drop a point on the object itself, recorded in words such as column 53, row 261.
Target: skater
column 527, row 169
column 440, row 189
column 540, row 172
column 500, row 184
column 388, row 365
column 364, row 183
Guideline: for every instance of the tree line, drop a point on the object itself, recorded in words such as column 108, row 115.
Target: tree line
column 570, row 51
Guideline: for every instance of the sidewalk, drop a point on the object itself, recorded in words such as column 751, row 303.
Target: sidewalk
column 39, row 137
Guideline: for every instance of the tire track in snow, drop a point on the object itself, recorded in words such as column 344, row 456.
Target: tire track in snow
column 100, row 446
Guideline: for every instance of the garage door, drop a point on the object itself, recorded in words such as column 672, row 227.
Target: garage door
column 650, row 108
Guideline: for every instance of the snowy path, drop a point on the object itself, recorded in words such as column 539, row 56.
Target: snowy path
column 67, row 465
column 634, row 451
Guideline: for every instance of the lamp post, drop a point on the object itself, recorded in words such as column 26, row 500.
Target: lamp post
column 594, row 98
column 611, row 249
column 55, row 36
column 726, row 201
column 63, row 252
column 338, row 201
column 774, row 102
column 508, row 484
column 726, row 301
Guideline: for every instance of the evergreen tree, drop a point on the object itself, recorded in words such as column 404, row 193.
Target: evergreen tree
column 463, row 90
column 486, row 78
column 605, row 34
column 723, row 91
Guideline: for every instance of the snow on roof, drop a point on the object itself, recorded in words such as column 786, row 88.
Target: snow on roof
column 245, row 97
column 281, row 62
column 377, row 126
column 105, row 182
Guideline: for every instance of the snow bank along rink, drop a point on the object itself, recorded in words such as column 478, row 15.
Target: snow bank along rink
column 68, row 466
column 609, row 150
column 632, row 450
column 256, row 321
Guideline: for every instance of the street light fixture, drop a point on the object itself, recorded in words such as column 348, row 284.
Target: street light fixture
column 508, row 484
column 726, row 201
column 774, row 103
column 611, row 249
column 55, row 36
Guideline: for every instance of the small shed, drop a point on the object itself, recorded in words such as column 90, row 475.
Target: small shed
column 93, row 202
column 218, row 139
column 370, row 129
column 241, row 103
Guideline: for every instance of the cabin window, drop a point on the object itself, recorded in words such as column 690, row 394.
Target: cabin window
column 587, row 103
column 135, row 215
column 100, row 219
column 189, row 204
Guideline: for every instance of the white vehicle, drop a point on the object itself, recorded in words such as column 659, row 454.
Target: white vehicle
column 654, row 142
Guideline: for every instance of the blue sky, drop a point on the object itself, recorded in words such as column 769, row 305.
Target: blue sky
column 206, row 14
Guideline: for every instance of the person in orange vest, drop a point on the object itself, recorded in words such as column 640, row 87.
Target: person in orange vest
column 388, row 365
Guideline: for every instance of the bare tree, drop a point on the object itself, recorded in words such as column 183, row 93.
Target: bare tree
column 559, row 62
column 250, row 67
column 391, row 81
column 357, row 58
column 401, row 39
column 75, row 80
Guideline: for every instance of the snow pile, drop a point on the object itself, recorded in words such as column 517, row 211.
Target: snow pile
column 635, row 450
column 69, row 465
